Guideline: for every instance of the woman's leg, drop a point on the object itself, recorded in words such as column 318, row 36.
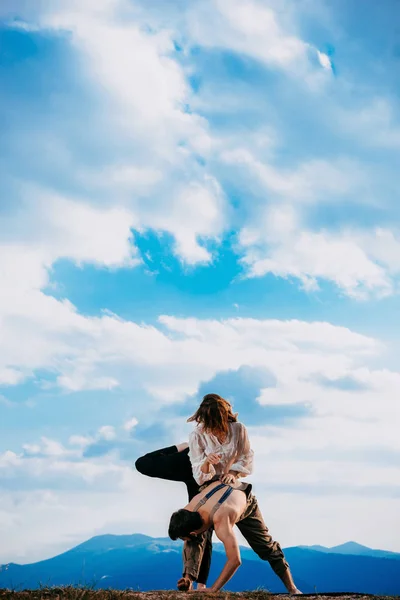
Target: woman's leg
column 168, row 463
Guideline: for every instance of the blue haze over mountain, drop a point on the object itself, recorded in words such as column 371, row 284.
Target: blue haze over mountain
column 141, row 562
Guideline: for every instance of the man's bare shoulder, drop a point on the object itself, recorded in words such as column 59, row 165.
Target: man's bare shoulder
column 225, row 516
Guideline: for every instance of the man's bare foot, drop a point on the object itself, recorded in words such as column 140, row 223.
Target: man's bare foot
column 201, row 586
column 182, row 447
column 184, row 584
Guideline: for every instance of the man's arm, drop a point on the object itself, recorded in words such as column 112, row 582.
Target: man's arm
column 225, row 533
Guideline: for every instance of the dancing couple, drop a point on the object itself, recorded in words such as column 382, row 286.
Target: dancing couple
column 211, row 466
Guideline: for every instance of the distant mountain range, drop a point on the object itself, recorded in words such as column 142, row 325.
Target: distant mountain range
column 143, row 563
column 355, row 549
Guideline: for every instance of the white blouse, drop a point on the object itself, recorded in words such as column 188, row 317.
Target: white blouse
column 236, row 454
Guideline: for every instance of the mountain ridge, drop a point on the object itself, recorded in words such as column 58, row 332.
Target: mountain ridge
column 141, row 562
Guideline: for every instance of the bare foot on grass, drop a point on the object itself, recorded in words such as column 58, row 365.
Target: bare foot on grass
column 184, row 584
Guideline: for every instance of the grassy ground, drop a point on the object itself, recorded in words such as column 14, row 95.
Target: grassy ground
column 70, row 593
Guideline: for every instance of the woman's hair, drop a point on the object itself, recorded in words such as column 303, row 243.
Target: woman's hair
column 214, row 414
column 183, row 522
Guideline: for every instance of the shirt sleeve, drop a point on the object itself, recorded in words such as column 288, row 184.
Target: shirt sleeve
column 244, row 459
column 197, row 457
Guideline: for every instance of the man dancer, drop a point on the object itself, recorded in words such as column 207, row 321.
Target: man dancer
column 222, row 506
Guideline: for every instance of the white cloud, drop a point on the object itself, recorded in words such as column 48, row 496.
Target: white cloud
column 324, row 60
column 373, row 123
column 5, row 401
column 199, row 203
column 144, row 98
column 130, row 424
column 167, row 173
column 311, row 256
column 146, row 104
column 80, row 440
column 56, row 520
column 250, row 28
column 276, row 238
column 55, row 227
column 172, row 359
column 107, row 432
column 318, row 467
column 47, row 448
column 313, row 181
column 383, row 245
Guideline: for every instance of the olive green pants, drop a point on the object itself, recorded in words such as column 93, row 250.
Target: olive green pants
column 254, row 530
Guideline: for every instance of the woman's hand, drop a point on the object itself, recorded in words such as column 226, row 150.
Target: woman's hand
column 213, row 459
column 228, row 478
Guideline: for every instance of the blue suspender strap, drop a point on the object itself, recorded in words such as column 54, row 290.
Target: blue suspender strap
column 208, row 496
column 225, row 495
column 214, row 490
column 217, row 505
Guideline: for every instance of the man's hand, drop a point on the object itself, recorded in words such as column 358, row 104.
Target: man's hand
column 228, row 478
column 213, row 459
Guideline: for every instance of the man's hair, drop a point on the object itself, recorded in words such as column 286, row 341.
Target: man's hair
column 214, row 414
column 183, row 522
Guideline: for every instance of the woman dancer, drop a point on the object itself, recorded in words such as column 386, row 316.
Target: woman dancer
column 218, row 448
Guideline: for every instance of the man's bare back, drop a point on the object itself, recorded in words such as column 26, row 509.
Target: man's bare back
column 231, row 509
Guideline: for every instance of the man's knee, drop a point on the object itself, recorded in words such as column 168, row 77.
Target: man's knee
column 273, row 553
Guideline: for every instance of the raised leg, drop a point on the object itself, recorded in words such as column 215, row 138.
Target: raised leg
column 173, row 465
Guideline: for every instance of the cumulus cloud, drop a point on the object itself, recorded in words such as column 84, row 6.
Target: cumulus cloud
column 335, row 458
column 107, row 432
column 315, row 256
column 146, row 102
column 250, row 28
column 276, row 239
column 130, row 424
column 161, row 167
column 139, row 140
column 293, row 359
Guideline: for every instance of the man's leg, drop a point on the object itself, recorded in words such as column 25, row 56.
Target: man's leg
column 255, row 531
column 193, row 557
column 172, row 465
column 193, row 489
column 206, row 560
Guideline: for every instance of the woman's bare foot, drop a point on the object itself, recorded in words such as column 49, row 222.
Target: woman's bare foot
column 295, row 592
column 184, row 584
column 182, row 447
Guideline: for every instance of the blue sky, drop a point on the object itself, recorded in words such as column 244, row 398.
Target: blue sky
column 198, row 197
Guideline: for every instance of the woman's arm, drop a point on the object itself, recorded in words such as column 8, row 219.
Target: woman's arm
column 243, row 464
column 202, row 468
